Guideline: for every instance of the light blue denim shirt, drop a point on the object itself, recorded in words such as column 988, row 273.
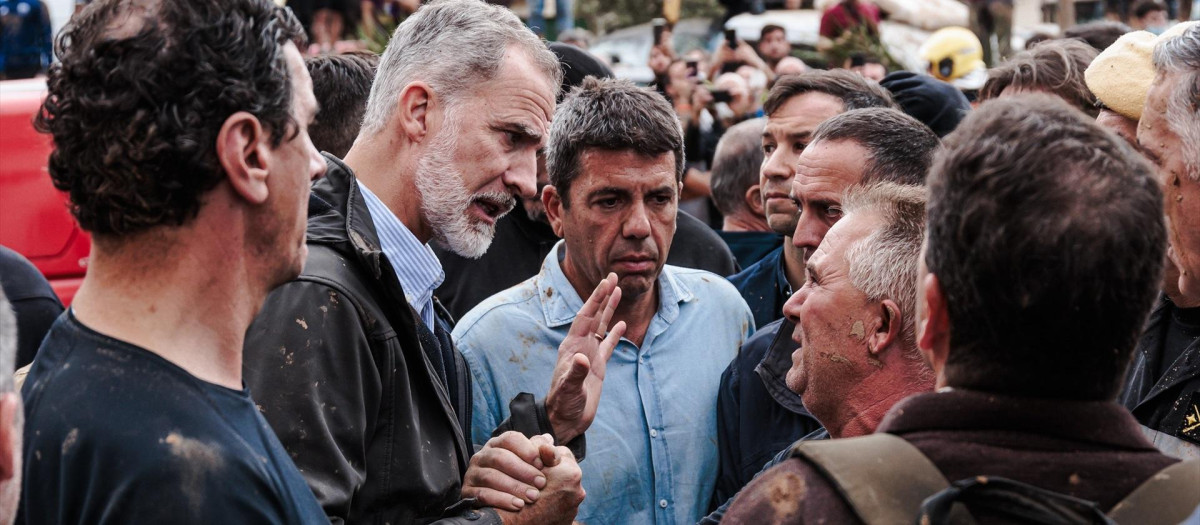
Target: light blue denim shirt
column 418, row 268
column 652, row 449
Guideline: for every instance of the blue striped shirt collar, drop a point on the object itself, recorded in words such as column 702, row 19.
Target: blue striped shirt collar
column 416, row 265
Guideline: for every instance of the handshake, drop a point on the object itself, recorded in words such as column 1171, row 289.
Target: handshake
column 531, row 480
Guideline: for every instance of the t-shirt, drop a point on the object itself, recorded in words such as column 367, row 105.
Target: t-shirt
column 116, row 434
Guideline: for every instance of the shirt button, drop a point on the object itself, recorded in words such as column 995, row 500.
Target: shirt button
column 662, row 503
column 653, row 433
column 641, row 360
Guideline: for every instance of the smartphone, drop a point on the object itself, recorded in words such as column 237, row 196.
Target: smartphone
column 660, row 25
column 721, row 95
column 731, row 37
column 693, row 68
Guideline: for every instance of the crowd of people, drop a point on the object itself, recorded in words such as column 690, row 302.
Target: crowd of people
column 455, row 283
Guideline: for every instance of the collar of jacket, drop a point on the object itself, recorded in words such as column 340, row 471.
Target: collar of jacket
column 1101, row 422
column 338, row 218
column 775, row 364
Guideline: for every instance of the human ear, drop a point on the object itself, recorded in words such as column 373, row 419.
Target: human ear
column 554, row 208
column 754, row 200
column 933, row 331
column 886, row 330
column 412, row 110
column 10, row 435
column 244, row 152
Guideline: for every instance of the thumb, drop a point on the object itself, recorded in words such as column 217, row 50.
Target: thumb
column 580, row 366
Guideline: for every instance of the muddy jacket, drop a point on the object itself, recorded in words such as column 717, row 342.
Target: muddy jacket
column 367, row 401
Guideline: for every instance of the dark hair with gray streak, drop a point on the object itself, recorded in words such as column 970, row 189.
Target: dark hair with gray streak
column 901, row 148
column 1181, row 55
column 612, row 115
column 736, row 165
column 852, row 89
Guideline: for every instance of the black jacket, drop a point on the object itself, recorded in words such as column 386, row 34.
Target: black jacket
column 367, row 401
column 1169, row 404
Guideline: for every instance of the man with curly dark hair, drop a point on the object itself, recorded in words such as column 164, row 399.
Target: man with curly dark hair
column 180, row 133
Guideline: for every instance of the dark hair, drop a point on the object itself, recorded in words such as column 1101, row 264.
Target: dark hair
column 768, row 29
column 140, row 94
column 341, row 84
column 901, row 148
column 854, row 91
column 1054, row 66
column 1145, row 7
column 736, row 165
column 1046, row 234
column 1099, row 34
column 614, row 115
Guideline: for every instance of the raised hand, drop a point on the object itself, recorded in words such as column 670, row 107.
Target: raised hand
column 582, row 358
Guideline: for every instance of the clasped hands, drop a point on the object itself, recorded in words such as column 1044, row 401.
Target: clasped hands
column 533, row 480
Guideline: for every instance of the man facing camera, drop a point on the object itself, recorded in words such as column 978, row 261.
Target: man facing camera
column 616, row 164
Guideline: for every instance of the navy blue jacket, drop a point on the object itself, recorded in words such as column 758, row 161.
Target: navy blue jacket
column 757, row 416
column 750, row 247
column 765, row 287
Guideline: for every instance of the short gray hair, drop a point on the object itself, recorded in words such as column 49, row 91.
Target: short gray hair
column 901, row 148
column 8, row 345
column 736, row 165
column 610, row 115
column 454, row 46
column 1181, row 55
column 884, row 264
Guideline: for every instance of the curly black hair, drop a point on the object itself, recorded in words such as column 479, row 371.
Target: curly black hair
column 140, row 94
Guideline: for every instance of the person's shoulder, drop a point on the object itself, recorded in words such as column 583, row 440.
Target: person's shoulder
column 764, row 266
column 502, row 311
column 703, row 282
column 791, row 492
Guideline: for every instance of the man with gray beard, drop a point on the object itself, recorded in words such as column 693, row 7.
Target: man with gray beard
column 352, row 363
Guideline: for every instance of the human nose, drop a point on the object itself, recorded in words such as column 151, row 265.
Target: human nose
column 521, row 176
column 777, row 165
column 316, row 163
column 791, row 309
column 637, row 224
column 809, row 231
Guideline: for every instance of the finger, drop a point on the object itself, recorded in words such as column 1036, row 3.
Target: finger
column 584, row 319
column 542, row 439
column 478, row 479
column 516, row 443
column 576, row 375
column 495, row 498
column 509, row 464
column 550, row 456
column 610, row 343
column 613, row 299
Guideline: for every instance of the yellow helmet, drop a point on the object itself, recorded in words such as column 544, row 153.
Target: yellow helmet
column 952, row 52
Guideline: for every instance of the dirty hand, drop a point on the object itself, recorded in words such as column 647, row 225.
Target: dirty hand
column 582, row 358
column 562, row 494
column 506, row 473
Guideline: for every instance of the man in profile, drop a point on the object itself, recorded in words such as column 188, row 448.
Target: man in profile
column 180, row 134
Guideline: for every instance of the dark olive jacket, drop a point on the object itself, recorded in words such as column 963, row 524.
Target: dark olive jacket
column 367, row 401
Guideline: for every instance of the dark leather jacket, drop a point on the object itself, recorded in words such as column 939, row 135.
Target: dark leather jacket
column 359, row 391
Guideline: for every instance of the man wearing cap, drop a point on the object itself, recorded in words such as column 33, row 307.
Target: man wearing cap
column 1162, row 386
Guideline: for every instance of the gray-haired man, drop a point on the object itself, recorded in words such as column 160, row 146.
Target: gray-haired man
column 616, row 165
column 352, row 363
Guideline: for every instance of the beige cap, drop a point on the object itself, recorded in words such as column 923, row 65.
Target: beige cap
column 1121, row 75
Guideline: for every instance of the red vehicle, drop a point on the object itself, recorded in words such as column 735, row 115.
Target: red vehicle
column 34, row 219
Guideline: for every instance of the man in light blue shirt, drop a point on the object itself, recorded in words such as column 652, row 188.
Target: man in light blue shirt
column 616, row 163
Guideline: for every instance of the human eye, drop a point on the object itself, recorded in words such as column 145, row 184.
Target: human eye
column 768, row 148
column 608, row 203
column 833, row 211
